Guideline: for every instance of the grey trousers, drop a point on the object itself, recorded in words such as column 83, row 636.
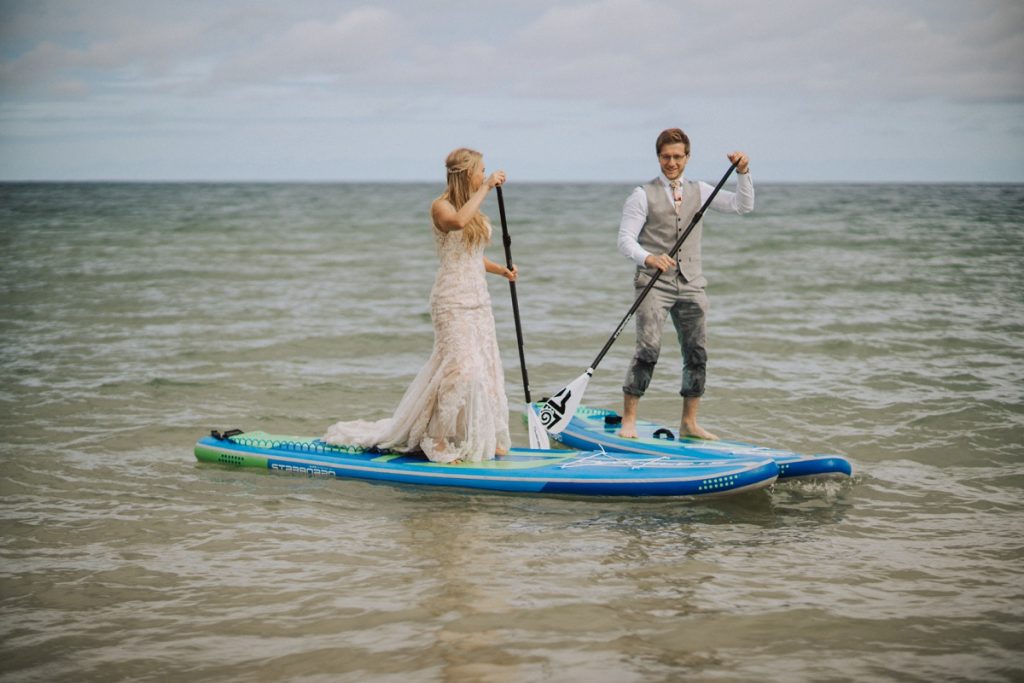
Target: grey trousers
column 688, row 307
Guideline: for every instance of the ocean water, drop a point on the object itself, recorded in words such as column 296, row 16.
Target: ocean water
column 885, row 323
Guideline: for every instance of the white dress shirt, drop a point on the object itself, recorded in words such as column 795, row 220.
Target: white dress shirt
column 634, row 211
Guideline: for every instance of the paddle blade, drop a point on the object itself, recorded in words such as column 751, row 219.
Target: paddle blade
column 560, row 408
column 538, row 436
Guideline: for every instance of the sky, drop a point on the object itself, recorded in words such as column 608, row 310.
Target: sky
column 552, row 90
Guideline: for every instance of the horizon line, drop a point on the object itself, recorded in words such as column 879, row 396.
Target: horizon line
column 374, row 181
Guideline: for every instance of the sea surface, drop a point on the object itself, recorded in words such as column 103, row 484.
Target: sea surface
column 883, row 323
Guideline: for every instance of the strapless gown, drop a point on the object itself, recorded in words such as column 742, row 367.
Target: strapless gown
column 456, row 408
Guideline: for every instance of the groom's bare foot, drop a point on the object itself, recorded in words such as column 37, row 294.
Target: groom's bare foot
column 697, row 431
column 629, row 410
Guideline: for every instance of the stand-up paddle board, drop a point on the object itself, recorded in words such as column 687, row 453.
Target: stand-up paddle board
column 521, row 471
column 592, row 428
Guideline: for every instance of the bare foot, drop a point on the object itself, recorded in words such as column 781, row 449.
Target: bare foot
column 629, row 408
column 500, row 453
column 697, row 432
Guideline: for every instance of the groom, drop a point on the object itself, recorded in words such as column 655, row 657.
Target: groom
column 653, row 218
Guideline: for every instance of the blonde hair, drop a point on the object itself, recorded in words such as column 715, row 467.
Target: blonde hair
column 461, row 164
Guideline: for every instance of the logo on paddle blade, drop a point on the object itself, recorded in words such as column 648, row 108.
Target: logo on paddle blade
column 554, row 408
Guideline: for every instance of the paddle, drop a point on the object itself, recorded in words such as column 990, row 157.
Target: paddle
column 559, row 409
column 538, row 437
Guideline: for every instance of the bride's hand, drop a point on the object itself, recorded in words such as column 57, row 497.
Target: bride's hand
column 511, row 275
column 497, row 178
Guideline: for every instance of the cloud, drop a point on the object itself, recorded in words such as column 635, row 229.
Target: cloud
column 599, row 50
column 364, row 45
column 227, row 48
column 630, row 48
column 540, row 79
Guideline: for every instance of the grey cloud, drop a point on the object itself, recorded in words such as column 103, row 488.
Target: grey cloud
column 216, row 49
column 360, row 45
column 629, row 48
column 599, row 50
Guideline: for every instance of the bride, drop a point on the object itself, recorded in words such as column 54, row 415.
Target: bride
column 456, row 409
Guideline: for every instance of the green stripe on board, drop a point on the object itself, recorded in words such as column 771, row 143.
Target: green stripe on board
column 208, row 454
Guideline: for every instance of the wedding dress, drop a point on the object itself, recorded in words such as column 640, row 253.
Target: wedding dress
column 456, row 408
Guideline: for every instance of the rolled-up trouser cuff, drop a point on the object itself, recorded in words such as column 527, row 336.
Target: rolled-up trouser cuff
column 638, row 377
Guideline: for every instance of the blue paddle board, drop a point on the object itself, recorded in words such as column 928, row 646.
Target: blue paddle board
column 592, row 428
column 521, row 471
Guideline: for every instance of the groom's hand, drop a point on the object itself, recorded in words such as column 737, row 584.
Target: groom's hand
column 662, row 262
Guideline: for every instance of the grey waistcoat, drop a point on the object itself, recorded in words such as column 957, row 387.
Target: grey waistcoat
column 664, row 227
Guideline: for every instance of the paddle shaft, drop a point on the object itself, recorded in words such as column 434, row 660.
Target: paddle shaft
column 507, row 239
column 675, row 249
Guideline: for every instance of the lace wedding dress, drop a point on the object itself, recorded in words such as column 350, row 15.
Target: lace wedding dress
column 456, row 408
